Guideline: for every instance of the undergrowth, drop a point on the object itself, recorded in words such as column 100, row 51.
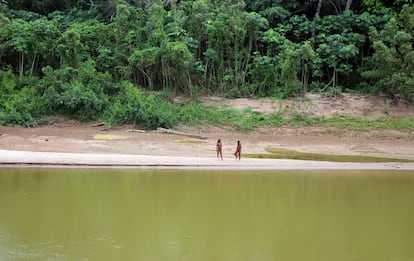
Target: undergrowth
column 247, row 120
column 124, row 103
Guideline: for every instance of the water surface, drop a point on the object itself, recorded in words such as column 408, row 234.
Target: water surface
column 75, row 214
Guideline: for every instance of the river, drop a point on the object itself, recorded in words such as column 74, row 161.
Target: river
column 92, row 214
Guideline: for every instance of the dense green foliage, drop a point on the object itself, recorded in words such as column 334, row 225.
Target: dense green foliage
column 100, row 59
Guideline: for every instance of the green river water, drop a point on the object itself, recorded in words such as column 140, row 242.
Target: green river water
column 72, row 214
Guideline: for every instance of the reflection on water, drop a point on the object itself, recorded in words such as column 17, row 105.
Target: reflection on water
column 206, row 215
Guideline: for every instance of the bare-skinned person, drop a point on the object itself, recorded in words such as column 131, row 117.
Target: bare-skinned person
column 237, row 154
column 219, row 149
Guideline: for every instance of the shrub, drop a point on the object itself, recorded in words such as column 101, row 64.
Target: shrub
column 132, row 105
column 22, row 108
column 19, row 101
column 76, row 93
column 75, row 100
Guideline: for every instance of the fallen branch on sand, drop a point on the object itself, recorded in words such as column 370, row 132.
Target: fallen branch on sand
column 98, row 124
column 191, row 135
column 134, row 130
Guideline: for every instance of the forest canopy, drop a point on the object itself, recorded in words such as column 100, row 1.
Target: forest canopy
column 94, row 59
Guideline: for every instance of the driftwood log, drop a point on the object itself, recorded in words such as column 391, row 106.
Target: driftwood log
column 135, row 130
column 191, row 135
column 98, row 124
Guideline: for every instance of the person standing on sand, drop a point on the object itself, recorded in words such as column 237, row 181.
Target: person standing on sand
column 238, row 150
column 219, row 149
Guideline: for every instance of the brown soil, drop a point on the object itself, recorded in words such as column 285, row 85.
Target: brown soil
column 71, row 136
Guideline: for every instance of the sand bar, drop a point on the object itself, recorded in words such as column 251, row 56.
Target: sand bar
column 10, row 158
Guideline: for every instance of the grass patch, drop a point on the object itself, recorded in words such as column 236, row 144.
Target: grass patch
column 152, row 112
column 248, row 119
column 353, row 123
column 276, row 153
column 245, row 120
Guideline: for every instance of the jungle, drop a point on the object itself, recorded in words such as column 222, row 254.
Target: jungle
column 123, row 61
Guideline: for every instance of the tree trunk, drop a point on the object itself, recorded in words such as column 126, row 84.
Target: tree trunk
column 348, row 5
column 33, row 65
column 305, row 75
column 318, row 10
column 148, row 78
column 21, row 64
column 190, row 85
column 336, row 7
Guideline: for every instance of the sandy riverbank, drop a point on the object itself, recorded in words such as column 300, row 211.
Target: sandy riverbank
column 83, row 145
column 70, row 143
column 11, row 159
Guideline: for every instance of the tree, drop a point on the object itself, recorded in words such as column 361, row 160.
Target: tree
column 127, row 36
column 41, row 6
column 4, row 34
column 377, row 5
column 273, row 11
column 28, row 42
column 145, row 60
column 332, row 53
column 71, row 49
column 44, row 34
column 18, row 32
column 176, row 60
column 276, row 72
column 392, row 66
